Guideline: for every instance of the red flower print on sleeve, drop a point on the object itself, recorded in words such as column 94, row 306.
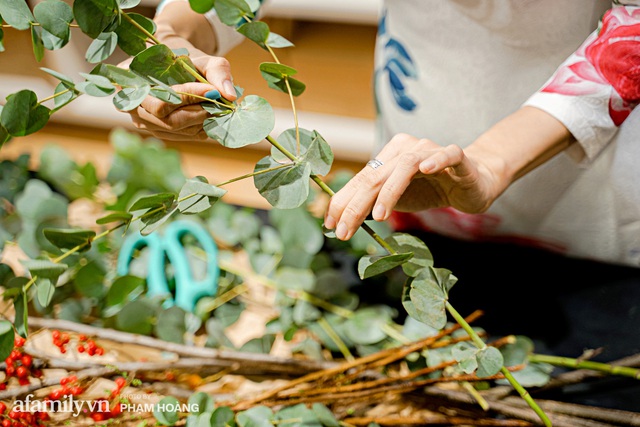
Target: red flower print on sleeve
column 607, row 64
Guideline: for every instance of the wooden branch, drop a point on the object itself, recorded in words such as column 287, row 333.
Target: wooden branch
column 435, row 420
column 251, row 363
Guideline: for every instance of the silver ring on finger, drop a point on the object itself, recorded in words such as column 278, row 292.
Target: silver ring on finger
column 374, row 163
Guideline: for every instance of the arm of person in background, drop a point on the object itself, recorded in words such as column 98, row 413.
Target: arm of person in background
column 178, row 26
column 579, row 108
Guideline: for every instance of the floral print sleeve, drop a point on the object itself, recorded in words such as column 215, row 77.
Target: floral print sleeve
column 597, row 87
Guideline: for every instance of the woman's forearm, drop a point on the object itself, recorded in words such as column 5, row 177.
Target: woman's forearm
column 178, row 26
column 518, row 144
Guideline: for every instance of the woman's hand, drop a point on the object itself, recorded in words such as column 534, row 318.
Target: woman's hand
column 416, row 174
column 183, row 122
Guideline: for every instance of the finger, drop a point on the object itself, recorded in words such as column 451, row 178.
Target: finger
column 350, row 206
column 396, row 145
column 450, row 156
column 217, row 70
column 182, row 118
column 191, row 93
column 407, row 165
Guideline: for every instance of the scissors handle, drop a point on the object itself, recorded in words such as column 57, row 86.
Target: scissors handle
column 188, row 289
column 156, row 279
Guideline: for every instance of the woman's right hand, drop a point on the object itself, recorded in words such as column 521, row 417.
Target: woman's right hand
column 183, row 122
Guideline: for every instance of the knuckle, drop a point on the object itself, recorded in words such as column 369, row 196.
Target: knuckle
column 408, row 160
column 352, row 212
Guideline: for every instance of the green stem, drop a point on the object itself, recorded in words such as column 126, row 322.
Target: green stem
column 29, row 283
column 507, row 374
column 214, row 101
column 336, row 339
column 568, row 362
column 55, row 95
column 80, row 246
column 249, row 175
column 141, row 28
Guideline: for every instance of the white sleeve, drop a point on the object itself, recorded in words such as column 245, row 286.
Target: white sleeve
column 598, row 86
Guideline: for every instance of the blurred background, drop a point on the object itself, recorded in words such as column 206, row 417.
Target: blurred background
column 333, row 53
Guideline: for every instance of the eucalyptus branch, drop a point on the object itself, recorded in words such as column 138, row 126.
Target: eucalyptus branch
column 133, row 22
column 55, row 95
column 326, row 327
column 507, row 374
column 256, row 173
column 569, row 362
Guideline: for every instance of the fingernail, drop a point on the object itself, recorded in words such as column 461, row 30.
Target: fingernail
column 330, row 223
column 228, row 88
column 341, row 231
column 379, row 212
column 213, row 94
column 427, row 165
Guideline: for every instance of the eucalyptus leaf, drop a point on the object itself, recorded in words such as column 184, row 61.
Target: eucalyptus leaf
column 55, row 16
column 44, row 291
column 22, row 114
column 131, row 40
column 51, row 42
column 258, row 416
column 283, row 186
column 125, row 217
column 366, row 326
column 223, row 416
column 7, row 335
column 428, row 293
column 532, row 375
column 119, row 76
column 44, row 268
column 202, row 401
column 37, row 43
column 136, row 317
column 201, row 6
column 95, row 85
column 259, row 345
column 206, row 195
column 171, row 325
column 313, row 149
column 372, row 265
column 21, row 318
column 256, row 31
column 404, row 243
column 58, row 75
column 490, row 362
column 277, row 41
column 95, row 16
column 122, row 290
column 249, row 123
column 128, row 4
column 69, row 239
column 278, row 75
column 297, row 416
column 102, row 47
column 161, row 63
column 325, row 416
column 67, row 94
column 130, row 98
column 164, row 200
column 165, row 92
column 89, row 280
column 231, row 12
column 516, row 353
column 1, row 40
column 163, row 413
column 16, row 13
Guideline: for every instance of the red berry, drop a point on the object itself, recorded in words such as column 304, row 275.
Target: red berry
column 3, row 407
column 75, row 391
column 91, row 351
column 82, row 337
column 22, row 372
column 6, row 423
column 3, row 386
column 64, row 380
column 10, row 370
column 37, row 373
column 15, row 354
column 72, row 379
column 99, row 351
column 26, row 360
column 55, row 334
column 56, row 394
column 121, row 382
column 42, row 416
column 65, row 338
column 63, row 350
column 18, row 341
column 14, row 415
column 80, row 348
column 98, row 416
column 24, row 381
column 91, row 344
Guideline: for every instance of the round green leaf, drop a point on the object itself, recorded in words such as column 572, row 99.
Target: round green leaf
column 223, row 416
column 36, row 43
column 119, row 76
column 277, row 41
column 202, row 401
column 101, row 48
column 230, row 12
column 128, row 4
column 171, row 325
column 201, row 6
column 69, row 239
column 63, row 78
column 372, row 265
column 489, row 361
column 251, row 122
column 45, row 291
column 161, row 63
column 94, row 16
column 67, row 94
column 136, row 317
column 325, row 416
column 89, row 280
column 405, row 243
column 130, row 98
column 6, row 338
column 427, row 299
column 167, row 410
column 54, row 16
column 258, row 416
column 206, row 195
column 313, row 149
column 123, row 290
column 45, row 268
column 115, row 217
column 153, row 201
column 16, row 13
column 285, row 187
column 95, row 85
column 131, row 40
column 366, row 326
column 22, row 115
column 256, row 31
column 51, row 42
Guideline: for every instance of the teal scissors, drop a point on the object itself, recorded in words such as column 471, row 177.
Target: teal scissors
column 187, row 290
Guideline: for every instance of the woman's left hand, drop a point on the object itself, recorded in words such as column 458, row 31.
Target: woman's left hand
column 416, row 174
